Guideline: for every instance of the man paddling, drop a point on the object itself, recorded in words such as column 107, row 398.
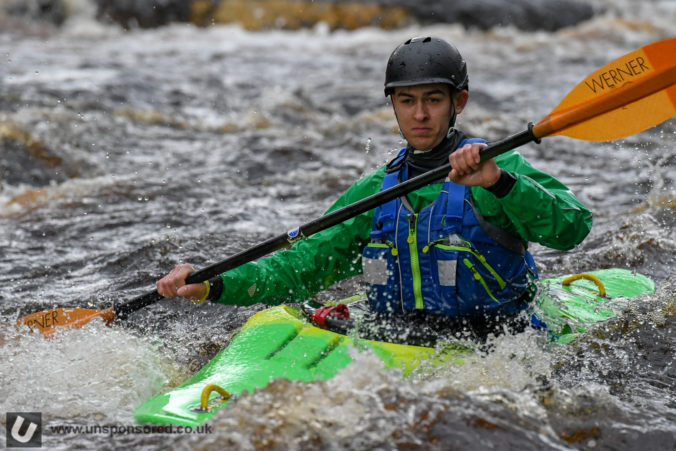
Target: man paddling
column 455, row 248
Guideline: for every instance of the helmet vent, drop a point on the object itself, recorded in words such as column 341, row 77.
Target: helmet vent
column 427, row 39
column 408, row 42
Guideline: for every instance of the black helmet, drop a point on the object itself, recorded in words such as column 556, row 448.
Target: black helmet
column 420, row 61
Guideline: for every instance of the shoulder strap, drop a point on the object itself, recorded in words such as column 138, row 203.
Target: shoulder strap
column 385, row 214
column 471, row 141
column 455, row 204
column 398, row 161
column 501, row 236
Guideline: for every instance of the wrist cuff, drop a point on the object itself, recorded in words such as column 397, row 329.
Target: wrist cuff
column 504, row 184
column 216, row 288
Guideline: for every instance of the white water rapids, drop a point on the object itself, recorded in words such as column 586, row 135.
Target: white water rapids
column 184, row 144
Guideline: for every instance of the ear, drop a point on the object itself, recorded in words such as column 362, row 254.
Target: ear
column 460, row 100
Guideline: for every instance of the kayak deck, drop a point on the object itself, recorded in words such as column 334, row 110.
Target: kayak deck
column 279, row 342
column 275, row 343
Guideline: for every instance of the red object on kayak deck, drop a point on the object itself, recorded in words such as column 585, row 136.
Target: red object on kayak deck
column 339, row 311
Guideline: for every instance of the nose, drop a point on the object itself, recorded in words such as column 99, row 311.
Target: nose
column 420, row 113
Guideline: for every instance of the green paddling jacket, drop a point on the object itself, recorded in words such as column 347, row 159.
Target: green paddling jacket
column 538, row 208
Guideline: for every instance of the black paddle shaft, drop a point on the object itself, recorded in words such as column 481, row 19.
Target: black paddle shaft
column 326, row 221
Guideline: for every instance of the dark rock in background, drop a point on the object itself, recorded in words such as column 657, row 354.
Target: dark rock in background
column 49, row 11
column 546, row 15
column 144, row 14
column 549, row 15
column 24, row 159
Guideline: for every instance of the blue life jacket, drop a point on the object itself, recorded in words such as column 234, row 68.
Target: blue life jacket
column 441, row 260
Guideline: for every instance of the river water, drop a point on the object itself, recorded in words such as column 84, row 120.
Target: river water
column 182, row 144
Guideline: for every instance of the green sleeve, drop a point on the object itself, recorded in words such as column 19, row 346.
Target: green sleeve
column 538, row 208
column 311, row 264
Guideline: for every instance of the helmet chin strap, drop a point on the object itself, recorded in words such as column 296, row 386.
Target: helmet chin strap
column 455, row 115
column 451, row 123
column 397, row 118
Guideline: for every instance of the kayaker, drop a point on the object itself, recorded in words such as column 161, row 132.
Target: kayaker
column 456, row 248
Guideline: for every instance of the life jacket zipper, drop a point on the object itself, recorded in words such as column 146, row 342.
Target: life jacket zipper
column 478, row 278
column 415, row 261
column 386, row 244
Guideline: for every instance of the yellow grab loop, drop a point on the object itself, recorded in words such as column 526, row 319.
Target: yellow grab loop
column 204, row 400
column 568, row 280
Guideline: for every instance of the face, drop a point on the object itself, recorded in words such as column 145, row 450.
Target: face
column 424, row 112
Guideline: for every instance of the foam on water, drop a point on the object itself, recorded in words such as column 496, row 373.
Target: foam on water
column 94, row 373
column 367, row 406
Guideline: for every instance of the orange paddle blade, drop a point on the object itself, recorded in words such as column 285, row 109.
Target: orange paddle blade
column 48, row 321
column 629, row 95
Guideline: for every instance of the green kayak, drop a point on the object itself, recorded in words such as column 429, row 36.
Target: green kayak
column 281, row 342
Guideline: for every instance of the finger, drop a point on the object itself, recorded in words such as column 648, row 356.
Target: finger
column 165, row 286
column 193, row 291
column 169, row 285
column 180, row 272
column 456, row 161
column 458, row 176
column 470, row 155
column 463, row 163
column 477, row 147
column 457, row 168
